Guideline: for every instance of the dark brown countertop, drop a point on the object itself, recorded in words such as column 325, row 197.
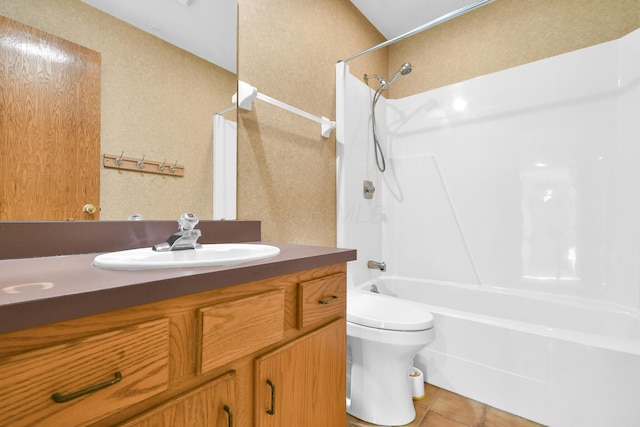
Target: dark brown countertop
column 38, row 291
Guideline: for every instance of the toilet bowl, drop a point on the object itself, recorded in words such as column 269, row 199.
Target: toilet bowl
column 383, row 335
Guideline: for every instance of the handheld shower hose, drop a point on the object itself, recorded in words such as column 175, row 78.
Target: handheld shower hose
column 383, row 85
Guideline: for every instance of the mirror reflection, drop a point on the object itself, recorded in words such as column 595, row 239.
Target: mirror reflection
column 156, row 101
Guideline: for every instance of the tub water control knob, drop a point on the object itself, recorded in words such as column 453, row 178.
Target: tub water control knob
column 368, row 189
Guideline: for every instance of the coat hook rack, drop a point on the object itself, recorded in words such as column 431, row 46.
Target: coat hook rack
column 141, row 164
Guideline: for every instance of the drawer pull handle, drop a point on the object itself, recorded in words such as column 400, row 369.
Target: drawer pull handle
column 272, row 411
column 62, row 398
column 228, row 411
column 333, row 298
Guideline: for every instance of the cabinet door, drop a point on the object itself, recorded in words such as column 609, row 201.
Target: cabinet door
column 303, row 382
column 209, row 405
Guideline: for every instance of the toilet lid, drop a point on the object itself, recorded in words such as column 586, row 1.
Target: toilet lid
column 390, row 313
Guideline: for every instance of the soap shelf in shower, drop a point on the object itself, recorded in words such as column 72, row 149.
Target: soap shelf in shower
column 140, row 164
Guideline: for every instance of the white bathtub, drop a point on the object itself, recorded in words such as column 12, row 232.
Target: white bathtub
column 557, row 362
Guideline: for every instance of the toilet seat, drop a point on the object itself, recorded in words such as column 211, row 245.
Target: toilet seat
column 387, row 313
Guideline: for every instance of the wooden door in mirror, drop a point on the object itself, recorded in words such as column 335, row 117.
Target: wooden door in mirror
column 49, row 126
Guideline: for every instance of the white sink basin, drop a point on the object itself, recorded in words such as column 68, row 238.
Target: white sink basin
column 208, row 255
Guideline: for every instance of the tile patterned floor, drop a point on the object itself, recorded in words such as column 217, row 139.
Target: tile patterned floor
column 442, row 408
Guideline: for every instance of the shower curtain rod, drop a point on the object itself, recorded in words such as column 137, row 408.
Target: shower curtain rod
column 421, row 28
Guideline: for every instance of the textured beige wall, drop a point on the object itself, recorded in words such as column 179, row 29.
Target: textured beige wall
column 157, row 100
column 288, row 48
column 505, row 34
column 286, row 171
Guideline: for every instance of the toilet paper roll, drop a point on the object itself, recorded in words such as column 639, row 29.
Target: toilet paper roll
column 417, row 383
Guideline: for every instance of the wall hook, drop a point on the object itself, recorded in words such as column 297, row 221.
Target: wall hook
column 142, row 165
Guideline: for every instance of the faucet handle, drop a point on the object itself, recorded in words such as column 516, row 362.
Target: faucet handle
column 187, row 221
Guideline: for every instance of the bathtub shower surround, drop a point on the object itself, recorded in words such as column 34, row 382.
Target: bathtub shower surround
column 510, row 205
column 533, row 169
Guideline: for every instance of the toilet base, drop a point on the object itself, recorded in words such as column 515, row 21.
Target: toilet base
column 380, row 390
column 380, row 420
column 383, row 399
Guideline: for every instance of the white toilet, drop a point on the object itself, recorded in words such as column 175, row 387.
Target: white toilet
column 383, row 335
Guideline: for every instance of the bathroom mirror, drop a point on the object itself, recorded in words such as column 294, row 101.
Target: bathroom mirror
column 157, row 100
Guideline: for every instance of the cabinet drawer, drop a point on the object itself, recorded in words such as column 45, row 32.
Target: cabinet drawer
column 237, row 328
column 93, row 377
column 321, row 299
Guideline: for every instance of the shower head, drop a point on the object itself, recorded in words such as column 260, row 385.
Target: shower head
column 383, row 84
column 404, row 70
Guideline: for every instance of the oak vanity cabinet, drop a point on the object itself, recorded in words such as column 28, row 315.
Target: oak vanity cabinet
column 198, row 360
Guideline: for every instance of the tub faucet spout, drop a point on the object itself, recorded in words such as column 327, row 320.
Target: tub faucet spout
column 185, row 238
column 375, row 265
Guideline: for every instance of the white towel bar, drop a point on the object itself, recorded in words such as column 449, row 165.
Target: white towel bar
column 248, row 93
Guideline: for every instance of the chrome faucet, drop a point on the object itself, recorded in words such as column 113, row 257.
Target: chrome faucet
column 377, row 265
column 186, row 237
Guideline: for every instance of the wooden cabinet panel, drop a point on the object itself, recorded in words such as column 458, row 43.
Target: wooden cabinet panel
column 321, row 299
column 307, row 379
column 210, row 405
column 237, row 328
column 139, row 354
